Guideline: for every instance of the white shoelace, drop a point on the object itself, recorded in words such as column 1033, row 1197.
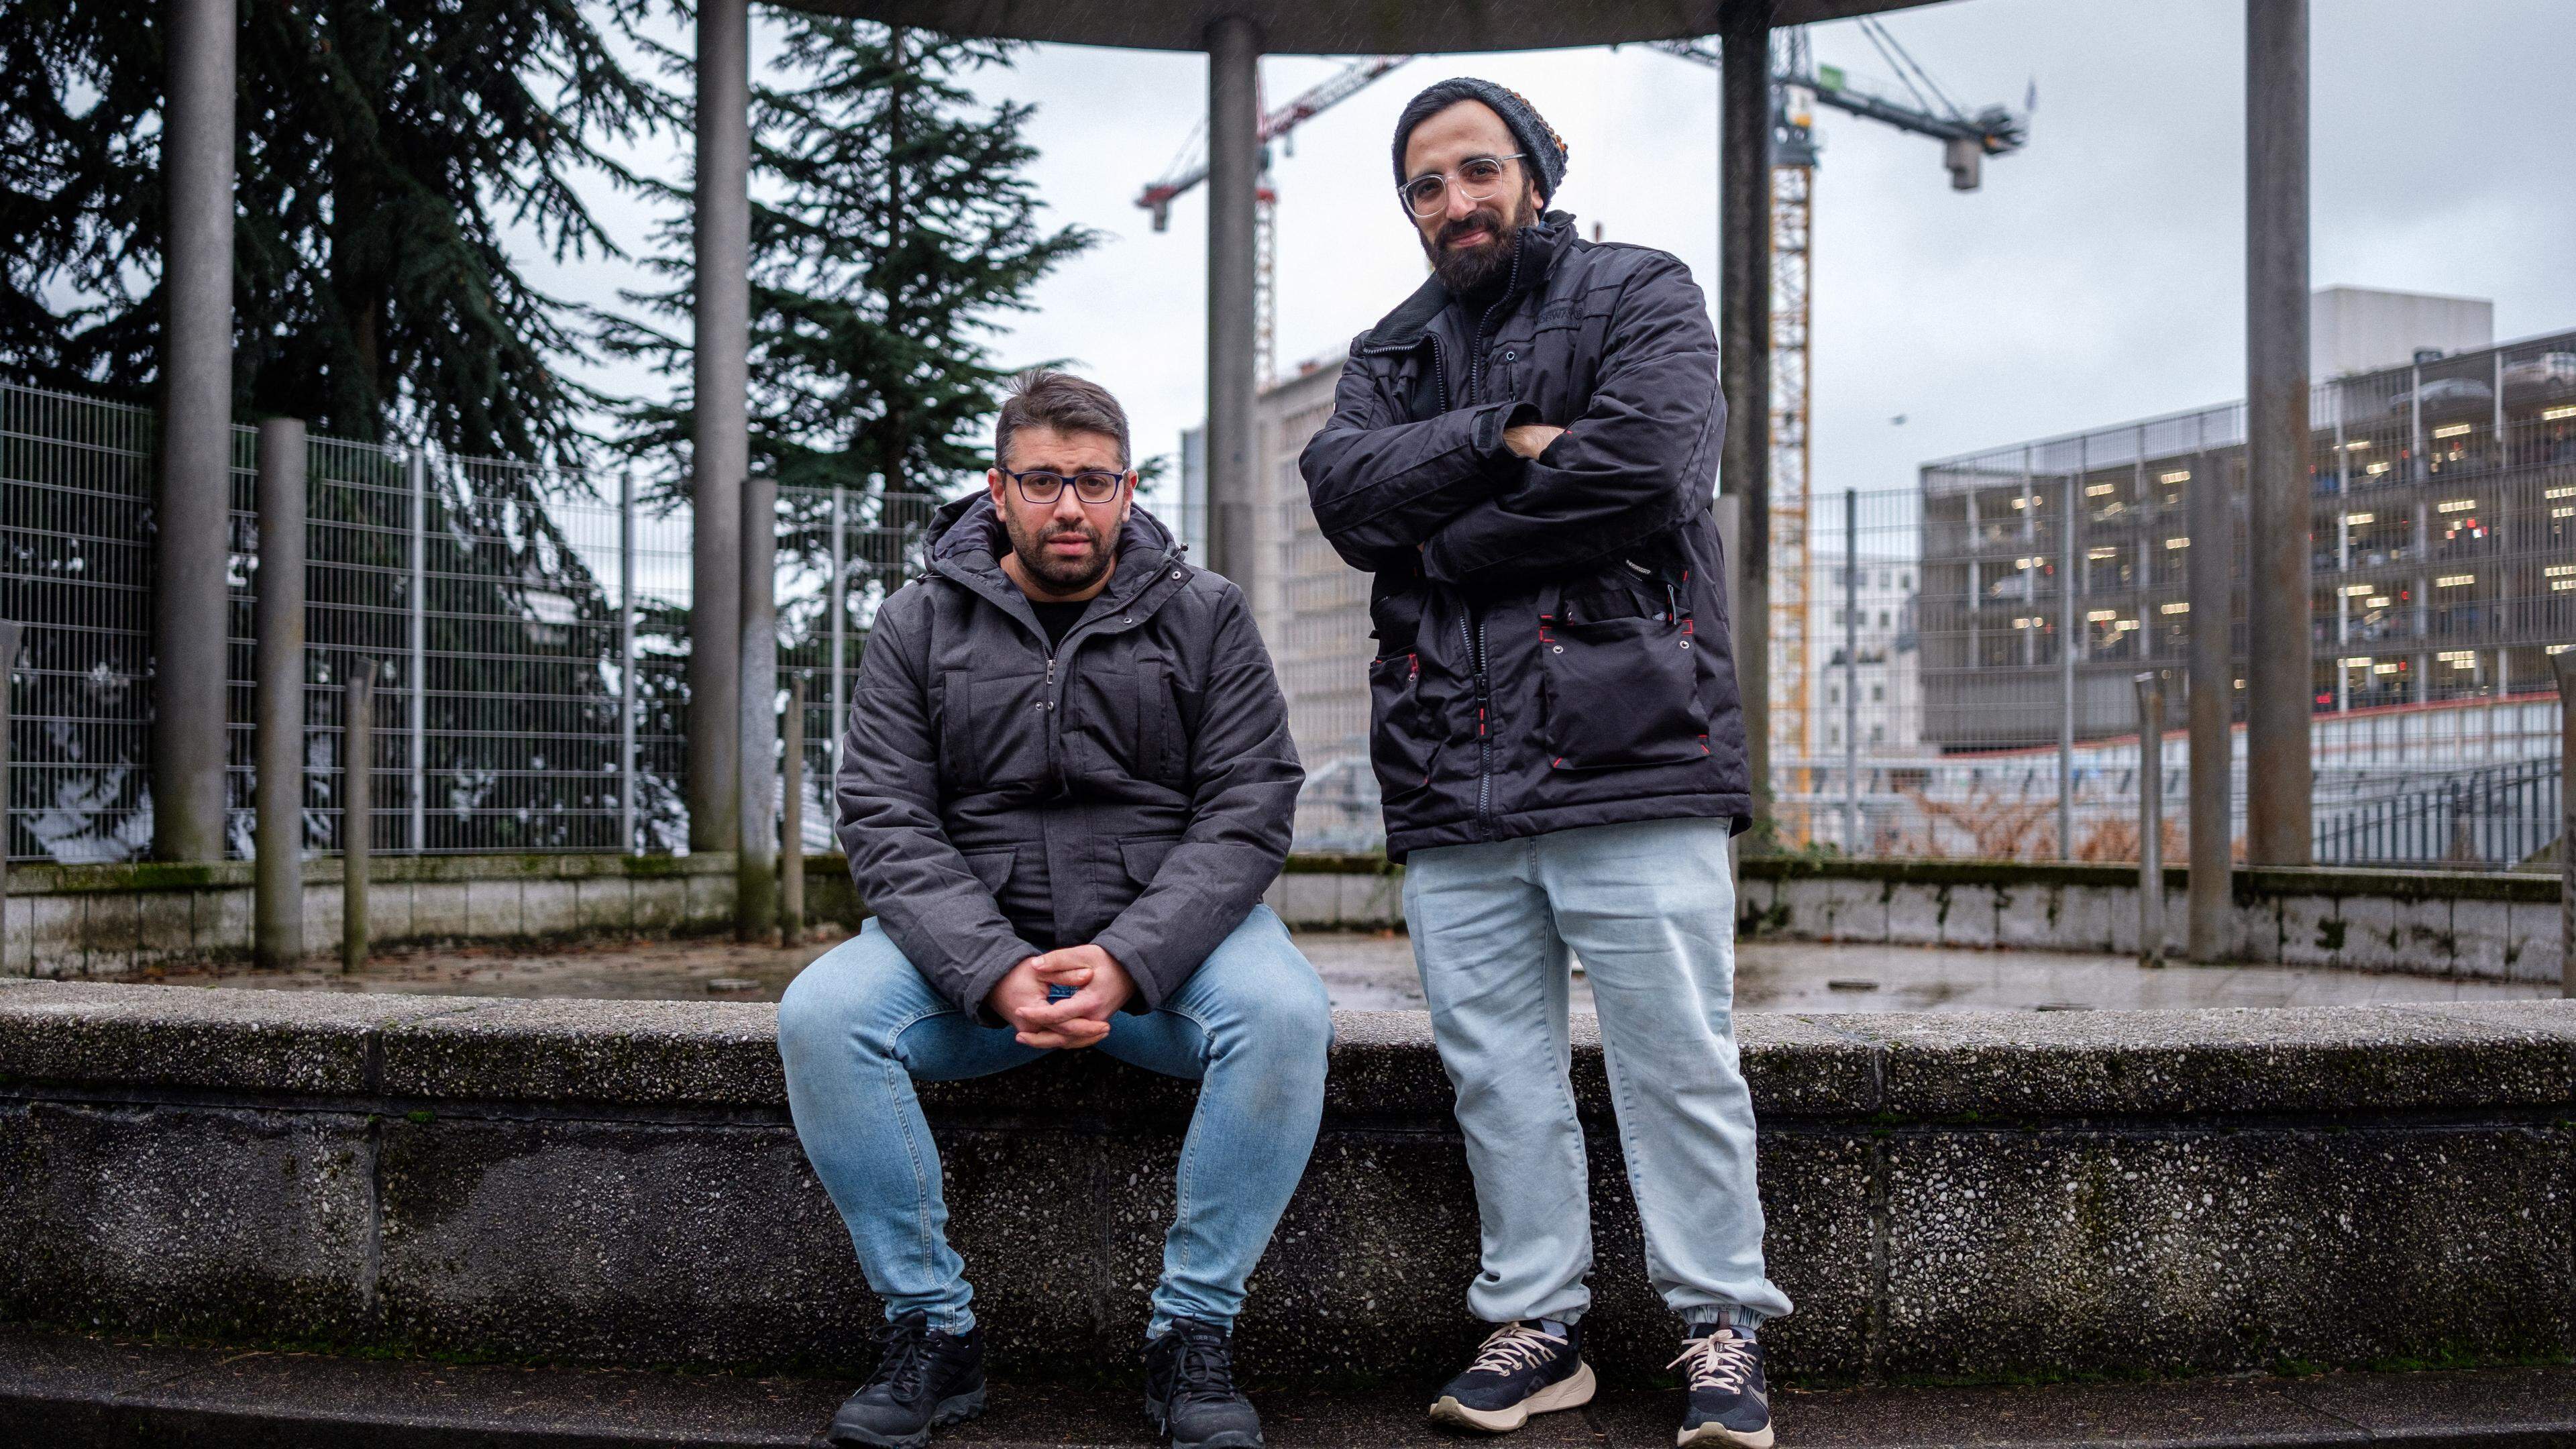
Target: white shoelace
column 1513, row 1347
column 1719, row 1361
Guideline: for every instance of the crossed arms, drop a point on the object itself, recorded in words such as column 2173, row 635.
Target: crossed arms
column 1490, row 493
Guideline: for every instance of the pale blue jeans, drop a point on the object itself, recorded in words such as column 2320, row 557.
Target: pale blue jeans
column 1650, row 909
column 1252, row 1026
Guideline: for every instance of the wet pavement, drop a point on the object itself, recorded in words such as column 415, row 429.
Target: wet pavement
column 1374, row 972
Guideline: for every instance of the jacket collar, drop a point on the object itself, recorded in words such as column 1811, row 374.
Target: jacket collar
column 966, row 541
column 1538, row 246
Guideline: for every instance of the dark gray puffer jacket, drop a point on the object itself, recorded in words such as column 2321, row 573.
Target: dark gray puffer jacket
column 1134, row 788
column 1552, row 632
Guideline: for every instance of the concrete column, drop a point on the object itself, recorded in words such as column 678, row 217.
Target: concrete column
column 2211, row 696
column 1744, row 350
column 2280, row 679
column 191, row 525
column 722, row 440
column 2151, row 817
column 357, row 805
column 756, row 857
column 277, row 839
column 1234, row 169
column 791, row 821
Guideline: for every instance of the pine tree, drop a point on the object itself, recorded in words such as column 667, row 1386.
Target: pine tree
column 893, row 230
column 385, row 149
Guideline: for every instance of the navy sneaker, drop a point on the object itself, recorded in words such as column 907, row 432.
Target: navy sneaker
column 926, row 1380
column 1520, row 1370
column 1729, row 1403
column 1190, row 1397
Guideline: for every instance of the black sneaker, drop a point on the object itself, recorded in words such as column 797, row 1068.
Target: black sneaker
column 927, row 1380
column 1190, row 1396
column 1521, row 1370
column 1729, row 1403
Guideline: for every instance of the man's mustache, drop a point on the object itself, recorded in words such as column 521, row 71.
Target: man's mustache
column 1484, row 221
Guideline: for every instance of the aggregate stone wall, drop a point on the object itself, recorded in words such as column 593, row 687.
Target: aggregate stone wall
column 1971, row 1195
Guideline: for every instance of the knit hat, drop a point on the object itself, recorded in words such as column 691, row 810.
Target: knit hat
column 1537, row 139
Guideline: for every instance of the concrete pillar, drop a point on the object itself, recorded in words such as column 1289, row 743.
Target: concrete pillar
column 277, row 892
column 1744, row 349
column 791, row 820
column 1234, row 169
column 2151, row 817
column 357, row 806
column 2212, row 696
column 722, row 440
column 756, row 856
column 191, row 523
column 2279, row 679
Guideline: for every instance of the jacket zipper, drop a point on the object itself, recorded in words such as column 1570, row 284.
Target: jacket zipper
column 1474, row 636
column 1484, row 324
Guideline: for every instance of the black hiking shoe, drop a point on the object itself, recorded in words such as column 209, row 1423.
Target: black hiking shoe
column 1521, row 1370
column 1190, row 1396
column 1729, row 1404
column 927, row 1380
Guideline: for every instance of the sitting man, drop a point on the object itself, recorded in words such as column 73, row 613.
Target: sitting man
column 1066, row 783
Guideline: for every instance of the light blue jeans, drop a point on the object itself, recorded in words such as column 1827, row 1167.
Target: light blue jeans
column 1650, row 907
column 1251, row 1026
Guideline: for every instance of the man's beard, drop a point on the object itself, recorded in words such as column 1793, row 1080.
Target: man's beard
column 1466, row 271
column 1059, row 575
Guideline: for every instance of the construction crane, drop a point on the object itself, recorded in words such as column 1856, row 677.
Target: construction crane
column 1192, row 168
column 1797, row 85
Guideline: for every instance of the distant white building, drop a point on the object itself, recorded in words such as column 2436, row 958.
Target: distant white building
column 1887, row 679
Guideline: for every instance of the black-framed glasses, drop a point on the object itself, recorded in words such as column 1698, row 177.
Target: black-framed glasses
column 1041, row 487
column 1477, row 179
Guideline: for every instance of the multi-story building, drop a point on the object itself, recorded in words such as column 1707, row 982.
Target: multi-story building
column 2444, row 547
column 1882, row 677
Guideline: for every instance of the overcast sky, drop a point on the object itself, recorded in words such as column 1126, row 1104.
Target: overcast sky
column 2096, row 277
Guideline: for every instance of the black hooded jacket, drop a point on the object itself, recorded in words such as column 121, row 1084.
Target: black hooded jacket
column 1132, row 787
column 1552, row 632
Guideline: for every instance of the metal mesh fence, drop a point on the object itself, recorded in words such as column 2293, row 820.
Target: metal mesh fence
column 530, row 627
column 1971, row 644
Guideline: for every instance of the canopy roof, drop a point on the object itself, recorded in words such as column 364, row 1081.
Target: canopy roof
column 1335, row 27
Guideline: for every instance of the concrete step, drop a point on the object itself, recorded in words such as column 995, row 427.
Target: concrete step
column 60, row 1391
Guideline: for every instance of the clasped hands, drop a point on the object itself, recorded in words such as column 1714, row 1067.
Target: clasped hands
column 1100, row 984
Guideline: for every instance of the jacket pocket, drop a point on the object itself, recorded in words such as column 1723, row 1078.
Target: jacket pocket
column 1167, row 717
column 1144, row 858
column 993, row 868
column 1615, row 692
column 1402, row 746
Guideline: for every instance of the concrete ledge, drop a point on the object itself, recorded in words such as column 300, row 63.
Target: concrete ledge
column 68, row 1392
column 615, row 1182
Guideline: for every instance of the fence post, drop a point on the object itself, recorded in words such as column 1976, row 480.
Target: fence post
column 1851, row 672
column 2066, row 611
column 755, row 909
column 357, row 805
column 2151, row 817
column 416, row 675
column 626, row 841
column 8, row 670
column 791, row 827
column 839, row 602
column 2564, row 661
column 2212, row 699
column 277, row 838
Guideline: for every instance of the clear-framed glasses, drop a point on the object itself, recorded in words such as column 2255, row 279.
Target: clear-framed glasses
column 1477, row 178
column 1042, row 487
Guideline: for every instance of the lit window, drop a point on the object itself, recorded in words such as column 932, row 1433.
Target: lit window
column 2455, row 505
column 2355, row 520
column 2455, row 581
column 2455, row 430
column 2177, row 543
column 2177, row 608
column 2179, row 476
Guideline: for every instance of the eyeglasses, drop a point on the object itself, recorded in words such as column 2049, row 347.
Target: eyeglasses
column 1042, row 487
column 1478, row 177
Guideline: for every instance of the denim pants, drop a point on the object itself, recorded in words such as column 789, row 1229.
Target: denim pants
column 1650, row 908
column 1252, row 1026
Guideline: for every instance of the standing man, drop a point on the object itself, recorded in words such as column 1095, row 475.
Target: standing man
column 1066, row 783
column 1524, row 455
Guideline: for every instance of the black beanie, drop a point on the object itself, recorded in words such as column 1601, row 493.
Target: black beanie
column 1538, row 140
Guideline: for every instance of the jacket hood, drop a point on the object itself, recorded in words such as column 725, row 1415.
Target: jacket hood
column 1539, row 244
